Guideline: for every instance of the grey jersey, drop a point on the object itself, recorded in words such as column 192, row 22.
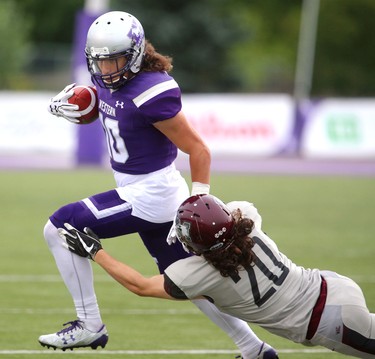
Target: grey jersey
column 274, row 292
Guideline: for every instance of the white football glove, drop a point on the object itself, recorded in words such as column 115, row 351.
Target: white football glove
column 172, row 238
column 59, row 105
column 172, row 235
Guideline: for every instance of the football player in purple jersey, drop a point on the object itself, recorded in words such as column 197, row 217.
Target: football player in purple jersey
column 140, row 111
column 240, row 269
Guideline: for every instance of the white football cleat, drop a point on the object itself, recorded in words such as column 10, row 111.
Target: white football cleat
column 75, row 336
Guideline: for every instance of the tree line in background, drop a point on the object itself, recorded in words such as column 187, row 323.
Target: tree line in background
column 217, row 45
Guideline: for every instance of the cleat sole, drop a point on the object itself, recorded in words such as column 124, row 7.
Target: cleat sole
column 100, row 342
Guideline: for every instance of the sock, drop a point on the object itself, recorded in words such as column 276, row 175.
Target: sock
column 240, row 332
column 77, row 275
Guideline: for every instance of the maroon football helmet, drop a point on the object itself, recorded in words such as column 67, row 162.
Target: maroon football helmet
column 204, row 223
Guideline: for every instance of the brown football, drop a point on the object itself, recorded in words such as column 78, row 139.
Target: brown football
column 87, row 100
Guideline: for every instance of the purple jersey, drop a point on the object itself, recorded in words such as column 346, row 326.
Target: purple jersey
column 135, row 146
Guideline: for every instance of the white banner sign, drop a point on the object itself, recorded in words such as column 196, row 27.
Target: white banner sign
column 26, row 125
column 232, row 125
column 259, row 125
column 340, row 129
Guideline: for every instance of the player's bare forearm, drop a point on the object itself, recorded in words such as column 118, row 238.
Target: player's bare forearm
column 200, row 164
column 187, row 139
column 130, row 278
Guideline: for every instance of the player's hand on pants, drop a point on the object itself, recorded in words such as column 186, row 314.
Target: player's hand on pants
column 85, row 244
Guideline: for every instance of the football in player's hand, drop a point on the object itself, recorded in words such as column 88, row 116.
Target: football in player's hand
column 87, row 100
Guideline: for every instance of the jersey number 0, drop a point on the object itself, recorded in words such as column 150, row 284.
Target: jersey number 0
column 116, row 144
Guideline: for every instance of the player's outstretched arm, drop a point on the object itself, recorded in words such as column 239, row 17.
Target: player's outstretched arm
column 132, row 279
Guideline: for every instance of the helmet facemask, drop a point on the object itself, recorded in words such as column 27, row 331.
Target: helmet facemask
column 117, row 78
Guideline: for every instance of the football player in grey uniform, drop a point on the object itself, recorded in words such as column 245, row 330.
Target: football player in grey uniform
column 144, row 126
column 240, row 269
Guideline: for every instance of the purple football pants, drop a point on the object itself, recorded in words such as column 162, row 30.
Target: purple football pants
column 110, row 216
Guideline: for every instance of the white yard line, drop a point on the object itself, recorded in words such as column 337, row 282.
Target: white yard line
column 146, row 312
column 153, row 352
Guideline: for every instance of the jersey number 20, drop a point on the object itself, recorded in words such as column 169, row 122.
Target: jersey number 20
column 277, row 280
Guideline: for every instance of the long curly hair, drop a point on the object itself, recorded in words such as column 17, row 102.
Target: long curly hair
column 239, row 254
column 153, row 61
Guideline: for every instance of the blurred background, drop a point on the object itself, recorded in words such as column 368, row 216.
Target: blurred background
column 293, row 78
column 217, row 45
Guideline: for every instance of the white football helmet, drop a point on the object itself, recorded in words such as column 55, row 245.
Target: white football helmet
column 115, row 35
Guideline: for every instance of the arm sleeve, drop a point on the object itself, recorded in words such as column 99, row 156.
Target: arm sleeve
column 163, row 106
column 172, row 289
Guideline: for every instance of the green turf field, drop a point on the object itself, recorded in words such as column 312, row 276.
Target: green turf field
column 324, row 222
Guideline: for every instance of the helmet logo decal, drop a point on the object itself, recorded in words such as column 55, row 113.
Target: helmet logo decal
column 183, row 231
column 135, row 33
